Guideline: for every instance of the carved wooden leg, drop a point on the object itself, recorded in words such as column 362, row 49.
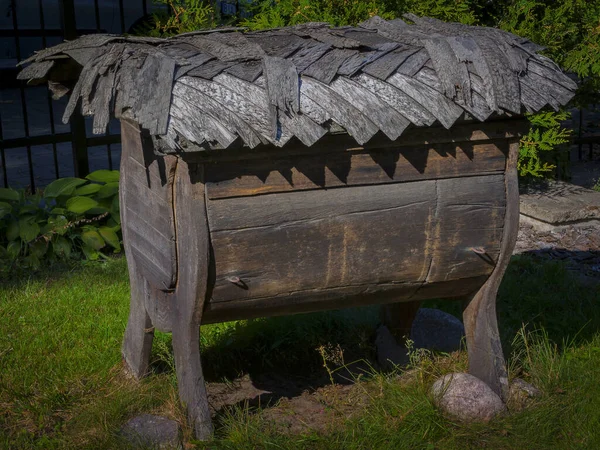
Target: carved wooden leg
column 137, row 344
column 399, row 317
column 486, row 360
column 193, row 251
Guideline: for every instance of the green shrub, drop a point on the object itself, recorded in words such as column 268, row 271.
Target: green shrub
column 178, row 16
column 541, row 148
column 72, row 218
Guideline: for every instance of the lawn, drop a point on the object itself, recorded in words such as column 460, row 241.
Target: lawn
column 62, row 383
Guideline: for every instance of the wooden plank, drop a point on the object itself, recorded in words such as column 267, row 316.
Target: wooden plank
column 387, row 119
column 397, row 99
column 210, row 69
column 414, row 63
column 486, row 360
column 281, row 78
column 450, row 70
column 227, row 47
column 193, row 256
column 35, row 70
column 335, row 251
column 308, row 54
column 247, row 70
column 300, row 125
column 280, row 44
column 198, row 126
column 383, row 67
column 227, row 117
column 444, row 110
column 470, row 215
column 192, row 63
column 344, row 113
column 375, row 166
column 326, row 68
column 309, row 300
column 259, row 120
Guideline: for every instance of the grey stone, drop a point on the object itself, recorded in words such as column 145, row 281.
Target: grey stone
column 436, row 330
column 389, row 353
column 152, row 432
column 521, row 393
column 559, row 203
column 466, row 398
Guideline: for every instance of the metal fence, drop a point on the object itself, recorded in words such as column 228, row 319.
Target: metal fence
column 35, row 146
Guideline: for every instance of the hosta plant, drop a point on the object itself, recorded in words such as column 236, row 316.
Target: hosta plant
column 72, row 218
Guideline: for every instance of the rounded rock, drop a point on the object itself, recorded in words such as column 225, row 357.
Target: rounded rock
column 148, row 431
column 466, row 398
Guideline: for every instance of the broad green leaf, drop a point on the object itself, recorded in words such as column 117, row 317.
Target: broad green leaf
column 90, row 253
column 13, row 249
column 62, row 246
column 108, row 190
column 62, row 186
column 97, row 210
column 88, row 189
column 31, row 261
column 12, row 230
column 115, row 208
column 110, row 237
column 104, row 176
column 38, row 248
column 28, row 229
column 93, row 239
column 5, row 208
column 80, row 205
column 58, row 211
column 9, row 194
column 58, row 224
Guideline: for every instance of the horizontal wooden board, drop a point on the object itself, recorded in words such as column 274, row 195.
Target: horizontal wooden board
column 413, row 232
column 354, row 168
column 338, row 298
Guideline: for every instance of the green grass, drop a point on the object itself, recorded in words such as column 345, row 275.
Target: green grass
column 62, row 384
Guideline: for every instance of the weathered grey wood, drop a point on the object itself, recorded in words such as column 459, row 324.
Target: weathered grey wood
column 344, row 113
column 328, row 36
column 137, row 343
column 277, row 43
column 476, row 204
column 210, row 69
column 39, row 70
column 300, row 125
column 413, row 63
column 227, row 47
column 383, row 67
column 328, row 252
column 377, row 166
column 357, row 61
column 397, row 99
column 308, row 54
column 248, row 70
column 434, row 102
column 486, row 360
column 193, row 252
column 390, row 121
column 450, row 70
column 228, row 118
column 192, row 63
column 326, row 68
column 281, row 78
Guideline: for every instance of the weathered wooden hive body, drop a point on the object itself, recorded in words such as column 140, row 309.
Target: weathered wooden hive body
column 312, row 168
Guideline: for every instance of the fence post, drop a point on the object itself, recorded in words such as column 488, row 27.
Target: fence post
column 79, row 138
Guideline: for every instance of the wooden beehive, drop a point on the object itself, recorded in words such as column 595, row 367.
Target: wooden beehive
column 311, row 168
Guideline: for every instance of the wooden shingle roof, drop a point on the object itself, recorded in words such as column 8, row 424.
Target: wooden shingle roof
column 213, row 88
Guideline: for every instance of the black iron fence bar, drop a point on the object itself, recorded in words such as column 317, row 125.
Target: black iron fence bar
column 97, row 13
column 13, row 4
column 3, row 156
column 48, row 96
column 122, row 15
column 36, row 140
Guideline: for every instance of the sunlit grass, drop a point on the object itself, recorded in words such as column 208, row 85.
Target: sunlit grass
column 62, row 383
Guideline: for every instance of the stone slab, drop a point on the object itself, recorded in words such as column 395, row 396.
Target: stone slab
column 559, row 203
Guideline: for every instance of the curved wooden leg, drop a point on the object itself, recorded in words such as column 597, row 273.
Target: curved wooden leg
column 137, row 344
column 193, row 252
column 399, row 317
column 486, row 360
